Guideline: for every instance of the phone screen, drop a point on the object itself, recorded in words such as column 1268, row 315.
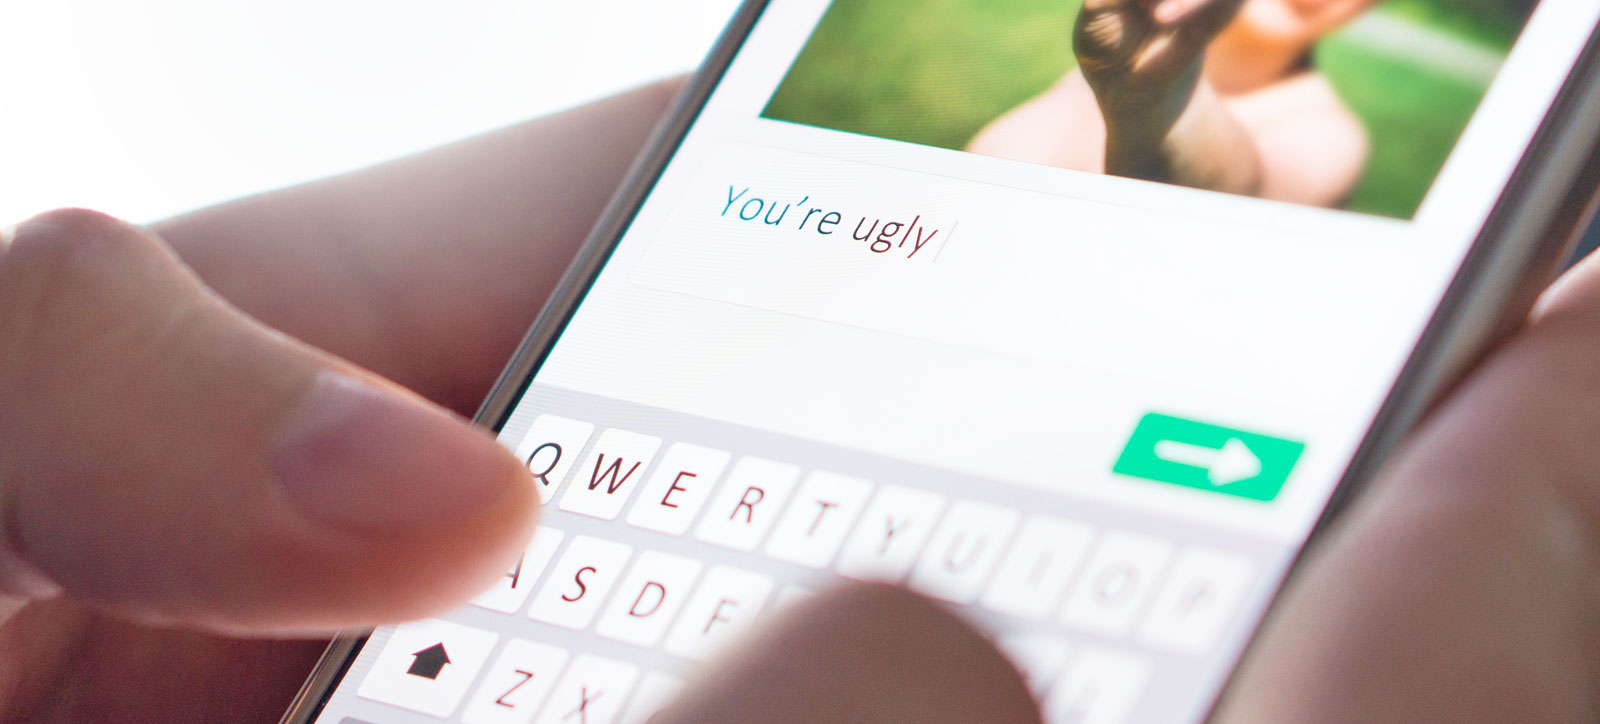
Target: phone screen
column 1075, row 330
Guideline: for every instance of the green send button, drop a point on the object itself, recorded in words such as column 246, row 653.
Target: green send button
column 1199, row 455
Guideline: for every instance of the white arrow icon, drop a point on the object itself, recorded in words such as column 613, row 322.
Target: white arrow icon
column 1230, row 464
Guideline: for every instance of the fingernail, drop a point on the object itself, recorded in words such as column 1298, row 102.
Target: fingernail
column 7, row 235
column 360, row 456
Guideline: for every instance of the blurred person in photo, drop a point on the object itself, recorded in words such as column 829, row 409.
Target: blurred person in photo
column 1213, row 94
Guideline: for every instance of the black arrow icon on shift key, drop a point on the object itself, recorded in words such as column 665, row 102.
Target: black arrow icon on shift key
column 428, row 662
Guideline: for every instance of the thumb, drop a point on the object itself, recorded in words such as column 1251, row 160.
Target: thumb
column 169, row 459
column 861, row 653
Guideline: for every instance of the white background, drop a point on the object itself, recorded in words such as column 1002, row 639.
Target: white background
column 146, row 109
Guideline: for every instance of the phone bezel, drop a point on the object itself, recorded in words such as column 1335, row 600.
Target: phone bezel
column 1549, row 199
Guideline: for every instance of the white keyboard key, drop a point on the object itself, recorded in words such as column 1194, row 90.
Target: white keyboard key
column 890, row 534
column 509, row 593
column 1201, row 595
column 1038, row 657
column 427, row 666
column 679, row 488
column 607, row 477
column 579, row 582
column 964, row 550
column 655, row 692
column 549, row 450
column 1034, row 574
column 746, row 506
column 591, row 692
column 516, row 684
column 1100, row 687
column 648, row 598
column 810, row 532
column 725, row 605
column 1119, row 578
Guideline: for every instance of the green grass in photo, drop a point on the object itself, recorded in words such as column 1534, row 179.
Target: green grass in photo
column 925, row 71
column 1414, row 113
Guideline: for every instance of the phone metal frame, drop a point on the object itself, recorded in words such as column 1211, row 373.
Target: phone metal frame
column 1549, row 199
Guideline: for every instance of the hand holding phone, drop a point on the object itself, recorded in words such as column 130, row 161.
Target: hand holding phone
column 1423, row 546
column 1418, row 574
column 1460, row 551
column 1098, row 417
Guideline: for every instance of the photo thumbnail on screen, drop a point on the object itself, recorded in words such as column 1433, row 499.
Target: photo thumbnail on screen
column 1348, row 104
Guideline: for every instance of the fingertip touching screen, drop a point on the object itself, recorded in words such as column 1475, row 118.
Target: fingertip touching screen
column 1070, row 315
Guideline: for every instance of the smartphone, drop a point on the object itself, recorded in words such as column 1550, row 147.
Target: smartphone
column 897, row 294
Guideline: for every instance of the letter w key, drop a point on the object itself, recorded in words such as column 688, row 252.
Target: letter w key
column 611, row 476
column 614, row 466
